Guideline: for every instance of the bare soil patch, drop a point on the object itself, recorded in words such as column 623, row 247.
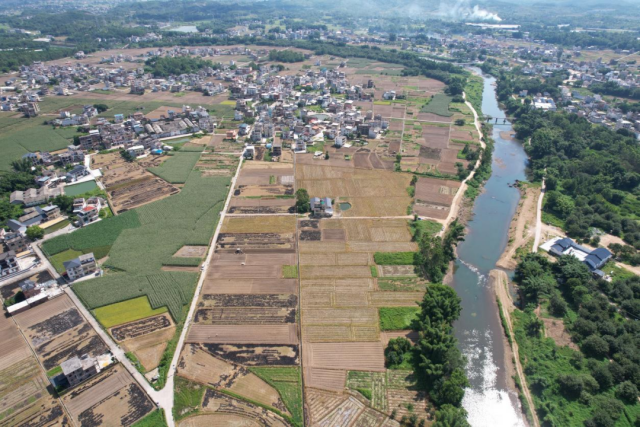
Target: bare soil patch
column 244, row 334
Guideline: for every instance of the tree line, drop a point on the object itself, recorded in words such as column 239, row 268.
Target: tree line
column 600, row 381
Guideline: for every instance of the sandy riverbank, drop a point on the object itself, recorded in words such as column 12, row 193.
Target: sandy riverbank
column 523, row 226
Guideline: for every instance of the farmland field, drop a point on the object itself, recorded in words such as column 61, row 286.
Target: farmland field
column 177, row 167
column 397, row 318
column 126, row 311
column 164, row 227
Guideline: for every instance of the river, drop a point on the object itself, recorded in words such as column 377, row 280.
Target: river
column 489, row 400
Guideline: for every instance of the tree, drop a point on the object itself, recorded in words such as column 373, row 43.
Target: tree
column 395, row 352
column 460, row 122
column 557, row 306
column 440, row 304
column 451, row 390
column 34, row 233
column 302, row 201
column 22, row 165
column 450, row 416
column 570, row 386
column 628, row 392
column 101, row 107
column 595, row 346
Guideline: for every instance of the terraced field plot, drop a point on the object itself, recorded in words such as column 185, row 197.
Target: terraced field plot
column 57, row 331
column 112, row 397
column 24, row 399
column 434, row 197
column 371, row 193
column 246, row 316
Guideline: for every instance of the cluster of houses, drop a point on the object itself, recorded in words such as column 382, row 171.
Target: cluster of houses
column 34, row 294
column 302, row 109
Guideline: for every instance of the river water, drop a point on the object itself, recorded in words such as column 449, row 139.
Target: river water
column 488, row 400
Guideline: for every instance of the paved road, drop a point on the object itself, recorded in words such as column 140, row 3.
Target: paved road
column 536, row 240
column 166, row 397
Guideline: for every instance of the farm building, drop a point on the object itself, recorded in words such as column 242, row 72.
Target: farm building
column 78, row 369
column 595, row 259
column 321, row 207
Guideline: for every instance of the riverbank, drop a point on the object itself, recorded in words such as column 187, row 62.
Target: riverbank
column 499, row 282
column 523, row 227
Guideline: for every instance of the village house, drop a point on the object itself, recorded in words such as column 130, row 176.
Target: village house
column 8, row 263
column 33, row 196
column 321, row 207
column 79, row 369
column 79, row 267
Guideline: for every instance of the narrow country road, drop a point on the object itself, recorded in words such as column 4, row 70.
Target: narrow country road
column 536, row 241
column 167, row 391
column 457, row 199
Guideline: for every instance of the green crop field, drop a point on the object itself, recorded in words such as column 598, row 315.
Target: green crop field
column 439, row 105
column 288, row 382
column 144, row 241
column 397, row 318
column 126, row 311
column 394, row 258
column 176, row 168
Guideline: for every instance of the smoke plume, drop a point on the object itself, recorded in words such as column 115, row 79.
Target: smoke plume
column 462, row 11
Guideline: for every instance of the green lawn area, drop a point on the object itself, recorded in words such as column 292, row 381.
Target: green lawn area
column 394, row 258
column 126, row 311
column 77, row 189
column 56, row 227
column 58, row 259
column 397, row 318
column 154, row 419
column 439, row 105
column 288, row 382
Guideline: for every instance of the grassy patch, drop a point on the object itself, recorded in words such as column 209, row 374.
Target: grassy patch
column 374, row 271
column 154, row 419
column 55, row 227
column 290, row 271
column 126, row 311
column 397, row 318
column 188, row 397
column 183, row 262
column 135, row 362
column 62, row 257
column 394, row 258
column 288, row 382
column 549, row 218
column 53, row 372
column 439, row 105
column 177, row 168
column 418, row 228
column 407, row 284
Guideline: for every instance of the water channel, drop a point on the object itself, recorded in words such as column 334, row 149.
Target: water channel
column 489, row 401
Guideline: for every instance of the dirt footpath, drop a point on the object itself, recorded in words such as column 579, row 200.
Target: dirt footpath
column 523, row 227
column 499, row 280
